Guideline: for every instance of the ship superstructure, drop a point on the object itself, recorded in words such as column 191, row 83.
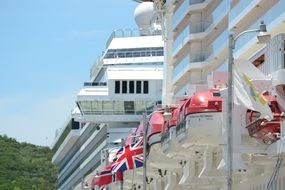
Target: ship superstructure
column 125, row 82
column 197, row 33
column 189, row 150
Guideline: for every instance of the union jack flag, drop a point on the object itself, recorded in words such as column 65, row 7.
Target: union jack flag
column 129, row 157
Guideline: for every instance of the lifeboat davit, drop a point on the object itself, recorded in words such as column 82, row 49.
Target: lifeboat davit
column 200, row 119
column 261, row 129
column 156, row 157
column 169, row 143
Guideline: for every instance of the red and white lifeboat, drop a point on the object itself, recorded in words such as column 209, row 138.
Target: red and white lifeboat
column 156, row 158
column 169, row 142
column 261, row 129
column 200, row 120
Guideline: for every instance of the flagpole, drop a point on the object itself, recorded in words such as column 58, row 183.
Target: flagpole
column 229, row 111
column 106, row 161
column 262, row 37
column 145, row 126
column 122, row 182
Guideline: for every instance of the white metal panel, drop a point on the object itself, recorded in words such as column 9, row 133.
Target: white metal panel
column 275, row 52
column 135, row 74
column 136, row 42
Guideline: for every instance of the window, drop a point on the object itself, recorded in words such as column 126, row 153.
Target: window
column 117, row 87
column 129, row 107
column 138, row 87
column 131, row 87
column 216, row 94
column 145, row 87
column 124, row 87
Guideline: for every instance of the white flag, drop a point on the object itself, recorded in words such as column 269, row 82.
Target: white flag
column 245, row 91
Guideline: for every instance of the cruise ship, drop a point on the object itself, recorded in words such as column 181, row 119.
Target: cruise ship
column 196, row 51
column 189, row 149
column 125, row 82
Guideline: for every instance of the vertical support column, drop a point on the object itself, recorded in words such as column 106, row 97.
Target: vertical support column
column 145, row 126
column 158, row 184
column 229, row 111
column 122, row 182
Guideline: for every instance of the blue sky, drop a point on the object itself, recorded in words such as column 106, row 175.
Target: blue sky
column 46, row 50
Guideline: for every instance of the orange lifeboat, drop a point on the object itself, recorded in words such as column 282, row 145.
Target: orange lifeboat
column 263, row 130
column 200, row 119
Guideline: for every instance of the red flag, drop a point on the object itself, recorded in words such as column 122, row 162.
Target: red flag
column 105, row 177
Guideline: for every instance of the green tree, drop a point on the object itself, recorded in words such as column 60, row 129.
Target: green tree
column 25, row 166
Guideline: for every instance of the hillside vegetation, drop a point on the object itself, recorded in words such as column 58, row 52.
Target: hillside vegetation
column 25, row 166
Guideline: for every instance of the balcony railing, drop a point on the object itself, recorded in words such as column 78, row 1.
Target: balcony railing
column 95, row 84
column 269, row 17
column 240, row 7
column 199, row 57
column 220, row 11
column 199, row 27
column 182, row 10
column 220, row 42
column 181, row 66
column 189, row 59
column 96, row 66
column 181, row 40
column 184, row 36
column 138, row 52
column 124, row 33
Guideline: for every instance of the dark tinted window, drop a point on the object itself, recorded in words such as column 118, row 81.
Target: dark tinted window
column 124, row 87
column 216, row 94
column 145, row 87
column 131, row 87
column 117, row 87
column 139, row 87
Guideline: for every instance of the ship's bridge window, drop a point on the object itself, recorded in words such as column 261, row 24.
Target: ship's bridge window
column 125, row 87
column 134, row 52
column 139, row 87
column 145, row 87
column 117, row 86
column 131, row 87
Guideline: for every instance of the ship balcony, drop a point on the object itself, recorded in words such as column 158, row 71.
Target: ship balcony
column 217, row 51
column 68, row 142
column 274, row 18
column 246, row 9
column 190, row 62
column 211, row 57
column 200, row 129
column 89, row 151
column 65, row 140
column 185, row 8
column 83, row 167
column 200, row 30
column 196, row 31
